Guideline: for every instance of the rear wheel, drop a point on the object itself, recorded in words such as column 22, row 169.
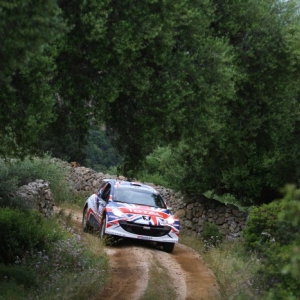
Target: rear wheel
column 85, row 225
column 168, row 247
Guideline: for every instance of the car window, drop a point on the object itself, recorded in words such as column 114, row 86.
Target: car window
column 101, row 188
column 138, row 196
column 106, row 192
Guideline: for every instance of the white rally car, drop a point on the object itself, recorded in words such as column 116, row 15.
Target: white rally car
column 131, row 210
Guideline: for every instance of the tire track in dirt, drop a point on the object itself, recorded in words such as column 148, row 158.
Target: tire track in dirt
column 130, row 262
column 200, row 281
column 129, row 272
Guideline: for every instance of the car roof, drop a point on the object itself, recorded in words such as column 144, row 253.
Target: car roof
column 129, row 184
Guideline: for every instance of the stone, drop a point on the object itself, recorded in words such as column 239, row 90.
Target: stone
column 37, row 195
column 180, row 213
column 220, row 221
column 188, row 224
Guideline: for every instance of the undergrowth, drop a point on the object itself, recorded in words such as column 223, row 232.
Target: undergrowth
column 72, row 267
column 15, row 173
column 44, row 258
column 233, row 266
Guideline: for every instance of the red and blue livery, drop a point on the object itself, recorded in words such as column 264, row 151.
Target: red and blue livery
column 131, row 210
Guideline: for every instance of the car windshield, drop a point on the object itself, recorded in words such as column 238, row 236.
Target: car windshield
column 138, row 196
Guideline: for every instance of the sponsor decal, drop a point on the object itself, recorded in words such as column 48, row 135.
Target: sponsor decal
column 144, row 212
column 144, row 237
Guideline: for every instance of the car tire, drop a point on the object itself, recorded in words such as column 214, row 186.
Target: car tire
column 108, row 240
column 85, row 225
column 102, row 234
column 168, row 247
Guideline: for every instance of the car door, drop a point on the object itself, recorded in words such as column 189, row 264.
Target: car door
column 102, row 199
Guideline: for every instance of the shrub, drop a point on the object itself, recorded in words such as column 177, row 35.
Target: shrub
column 274, row 237
column 16, row 173
column 17, row 274
column 264, row 227
column 211, row 234
column 23, row 231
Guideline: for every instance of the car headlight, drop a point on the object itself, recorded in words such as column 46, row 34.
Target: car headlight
column 118, row 213
column 170, row 220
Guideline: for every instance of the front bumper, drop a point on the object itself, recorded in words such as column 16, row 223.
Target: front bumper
column 126, row 229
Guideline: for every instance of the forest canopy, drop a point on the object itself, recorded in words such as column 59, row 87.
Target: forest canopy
column 212, row 84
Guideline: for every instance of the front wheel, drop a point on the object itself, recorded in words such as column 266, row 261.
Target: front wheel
column 108, row 240
column 168, row 247
column 102, row 228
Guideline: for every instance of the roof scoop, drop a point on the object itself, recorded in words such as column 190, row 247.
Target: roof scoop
column 136, row 183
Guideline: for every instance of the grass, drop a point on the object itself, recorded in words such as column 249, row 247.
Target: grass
column 232, row 265
column 159, row 287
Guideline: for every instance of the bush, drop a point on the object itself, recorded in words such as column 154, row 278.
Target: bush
column 211, row 234
column 155, row 166
column 264, row 227
column 21, row 232
column 274, row 237
column 16, row 173
column 17, row 274
column 44, row 258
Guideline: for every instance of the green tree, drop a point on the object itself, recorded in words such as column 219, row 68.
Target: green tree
column 137, row 66
column 255, row 152
column 25, row 27
column 99, row 151
column 76, row 84
column 27, row 107
column 26, row 69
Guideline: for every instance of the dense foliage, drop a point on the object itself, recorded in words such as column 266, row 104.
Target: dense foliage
column 26, row 69
column 23, row 37
column 23, row 232
column 249, row 149
column 215, row 83
column 274, row 235
column 101, row 155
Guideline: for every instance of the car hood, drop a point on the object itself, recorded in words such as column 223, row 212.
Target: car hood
column 140, row 214
column 135, row 209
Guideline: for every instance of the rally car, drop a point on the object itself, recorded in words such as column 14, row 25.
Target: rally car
column 131, row 210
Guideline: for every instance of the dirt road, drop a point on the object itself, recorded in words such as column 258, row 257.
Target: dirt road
column 130, row 265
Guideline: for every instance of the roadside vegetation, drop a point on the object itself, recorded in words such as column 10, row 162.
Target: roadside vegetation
column 44, row 258
column 265, row 262
column 233, row 266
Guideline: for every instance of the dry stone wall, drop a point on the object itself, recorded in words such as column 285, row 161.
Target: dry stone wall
column 85, row 181
column 37, row 195
column 193, row 212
